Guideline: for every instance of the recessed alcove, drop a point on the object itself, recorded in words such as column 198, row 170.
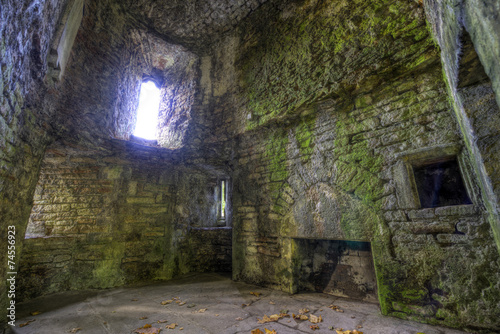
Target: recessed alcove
column 338, row 267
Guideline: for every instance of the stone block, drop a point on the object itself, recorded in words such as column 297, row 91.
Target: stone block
column 457, row 210
column 421, row 214
column 62, row 258
column 451, row 238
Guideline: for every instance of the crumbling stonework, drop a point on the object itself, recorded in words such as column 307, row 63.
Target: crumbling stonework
column 314, row 114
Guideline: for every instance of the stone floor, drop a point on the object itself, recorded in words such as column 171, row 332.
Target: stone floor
column 230, row 307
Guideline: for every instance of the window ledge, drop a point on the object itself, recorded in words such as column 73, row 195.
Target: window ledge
column 211, row 228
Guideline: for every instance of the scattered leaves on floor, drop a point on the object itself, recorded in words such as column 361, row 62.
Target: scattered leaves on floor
column 256, row 331
column 314, row 327
column 35, row 313
column 336, row 308
column 315, row 319
column 26, row 323
column 74, row 330
column 341, row 331
column 304, row 311
column 171, row 326
column 256, row 294
column 270, row 332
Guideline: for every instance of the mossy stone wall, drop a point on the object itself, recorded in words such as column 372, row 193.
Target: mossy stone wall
column 324, row 115
column 26, row 30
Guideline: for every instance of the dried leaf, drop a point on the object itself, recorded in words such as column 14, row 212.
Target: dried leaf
column 171, row 326
column 74, row 330
column 149, row 330
column 336, row 308
column 300, row 316
column 315, row 319
column 256, row 331
column 26, row 323
column 314, row 327
column 272, row 318
column 181, row 328
column 256, row 294
column 180, row 304
column 165, row 302
column 143, row 318
column 147, row 326
column 216, row 315
column 272, row 303
column 202, row 310
column 35, row 313
column 304, row 311
column 270, row 332
column 239, row 319
column 162, row 321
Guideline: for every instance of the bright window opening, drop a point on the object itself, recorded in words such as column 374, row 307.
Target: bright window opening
column 147, row 113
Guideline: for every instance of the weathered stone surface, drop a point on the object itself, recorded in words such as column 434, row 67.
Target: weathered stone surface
column 309, row 110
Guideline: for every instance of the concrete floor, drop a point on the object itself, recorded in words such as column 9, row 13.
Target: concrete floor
column 230, row 308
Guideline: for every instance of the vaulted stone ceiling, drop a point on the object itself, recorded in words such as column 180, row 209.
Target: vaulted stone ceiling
column 192, row 23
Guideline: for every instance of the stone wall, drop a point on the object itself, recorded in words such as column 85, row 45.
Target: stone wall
column 117, row 216
column 454, row 23
column 26, row 32
column 329, row 120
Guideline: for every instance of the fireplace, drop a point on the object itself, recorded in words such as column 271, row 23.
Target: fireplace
column 339, row 268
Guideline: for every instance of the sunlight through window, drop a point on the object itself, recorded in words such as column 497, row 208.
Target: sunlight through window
column 147, row 113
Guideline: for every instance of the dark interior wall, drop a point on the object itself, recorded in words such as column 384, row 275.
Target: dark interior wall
column 26, row 30
column 328, row 120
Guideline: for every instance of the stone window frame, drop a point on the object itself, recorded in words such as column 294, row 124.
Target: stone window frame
column 403, row 174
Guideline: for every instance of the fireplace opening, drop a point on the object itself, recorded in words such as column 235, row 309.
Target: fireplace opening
column 336, row 267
